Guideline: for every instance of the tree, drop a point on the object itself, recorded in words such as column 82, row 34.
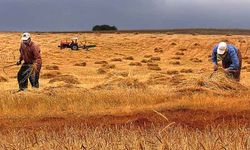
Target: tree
column 104, row 28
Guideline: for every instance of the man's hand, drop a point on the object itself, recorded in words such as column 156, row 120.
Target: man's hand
column 18, row 62
column 215, row 67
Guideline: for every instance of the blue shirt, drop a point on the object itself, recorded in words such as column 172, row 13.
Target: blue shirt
column 231, row 59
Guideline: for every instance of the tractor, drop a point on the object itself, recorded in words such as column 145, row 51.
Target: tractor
column 74, row 44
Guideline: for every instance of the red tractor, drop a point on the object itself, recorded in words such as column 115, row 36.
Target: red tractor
column 74, row 44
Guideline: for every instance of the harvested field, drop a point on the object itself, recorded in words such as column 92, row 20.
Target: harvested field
column 136, row 91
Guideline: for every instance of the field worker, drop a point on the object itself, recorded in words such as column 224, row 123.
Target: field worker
column 30, row 69
column 230, row 57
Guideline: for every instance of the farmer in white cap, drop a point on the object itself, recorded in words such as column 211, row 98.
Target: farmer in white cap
column 30, row 70
column 230, row 57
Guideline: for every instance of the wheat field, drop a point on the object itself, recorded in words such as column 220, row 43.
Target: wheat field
column 133, row 91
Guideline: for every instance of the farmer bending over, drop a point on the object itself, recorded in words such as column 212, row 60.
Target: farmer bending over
column 30, row 69
column 230, row 57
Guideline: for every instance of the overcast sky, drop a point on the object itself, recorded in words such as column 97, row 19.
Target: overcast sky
column 59, row 15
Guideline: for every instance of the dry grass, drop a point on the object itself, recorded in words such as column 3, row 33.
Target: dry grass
column 126, row 137
column 3, row 79
column 111, row 107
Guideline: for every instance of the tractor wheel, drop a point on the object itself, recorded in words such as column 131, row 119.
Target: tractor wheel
column 74, row 47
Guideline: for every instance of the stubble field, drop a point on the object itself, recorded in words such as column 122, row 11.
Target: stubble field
column 133, row 91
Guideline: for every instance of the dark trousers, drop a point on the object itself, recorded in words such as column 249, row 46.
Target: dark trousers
column 26, row 73
column 234, row 74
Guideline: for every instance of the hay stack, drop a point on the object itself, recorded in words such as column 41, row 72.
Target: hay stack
column 69, row 79
column 51, row 67
column 129, row 58
column 175, row 63
column 158, row 79
column 155, row 58
column 101, row 62
column 216, row 83
column 124, row 83
column 50, row 75
column 135, row 64
column 82, row 64
column 116, row 59
column 186, row 71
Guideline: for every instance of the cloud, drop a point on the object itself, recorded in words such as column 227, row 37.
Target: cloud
column 126, row 14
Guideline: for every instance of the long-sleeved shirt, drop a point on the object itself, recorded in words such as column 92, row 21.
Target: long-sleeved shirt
column 31, row 54
column 231, row 60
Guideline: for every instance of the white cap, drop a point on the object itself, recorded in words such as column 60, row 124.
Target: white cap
column 222, row 48
column 25, row 36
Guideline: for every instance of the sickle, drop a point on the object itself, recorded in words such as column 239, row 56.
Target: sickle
column 7, row 67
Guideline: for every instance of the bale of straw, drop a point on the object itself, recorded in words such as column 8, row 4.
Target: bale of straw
column 129, row 58
column 176, row 58
column 158, row 50
column 50, row 75
column 144, row 61
column 155, row 58
column 101, row 62
column 179, row 53
column 124, row 83
column 116, row 59
column 108, row 66
column 152, row 64
column 196, row 60
column 101, row 71
column 174, row 63
column 69, row 79
column 186, row 71
column 147, row 56
column 82, row 64
column 172, row 72
column 51, row 67
column 135, row 64
column 156, row 68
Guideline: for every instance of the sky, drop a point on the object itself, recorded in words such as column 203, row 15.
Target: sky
column 76, row 15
